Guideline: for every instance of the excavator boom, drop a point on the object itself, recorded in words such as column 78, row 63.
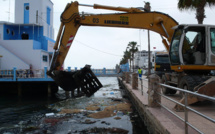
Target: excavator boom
column 71, row 20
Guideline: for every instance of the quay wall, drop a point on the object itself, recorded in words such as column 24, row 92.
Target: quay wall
column 153, row 125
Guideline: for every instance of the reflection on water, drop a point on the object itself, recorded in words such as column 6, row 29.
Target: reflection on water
column 27, row 114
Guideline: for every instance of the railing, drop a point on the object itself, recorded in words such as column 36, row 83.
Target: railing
column 98, row 72
column 104, row 71
column 185, row 105
column 6, row 73
column 15, row 74
column 154, row 93
column 23, row 74
column 34, row 73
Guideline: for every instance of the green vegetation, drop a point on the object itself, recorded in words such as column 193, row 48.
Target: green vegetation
column 198, row 5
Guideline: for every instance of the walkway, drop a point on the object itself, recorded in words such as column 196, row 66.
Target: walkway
column 168, row 121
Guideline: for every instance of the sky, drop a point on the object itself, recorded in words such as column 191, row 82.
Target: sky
column 103, row 47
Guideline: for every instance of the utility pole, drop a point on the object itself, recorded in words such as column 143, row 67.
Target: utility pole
column 147, row 8
column 149, row 55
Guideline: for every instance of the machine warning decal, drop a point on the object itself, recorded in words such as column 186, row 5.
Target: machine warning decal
column 123, row 21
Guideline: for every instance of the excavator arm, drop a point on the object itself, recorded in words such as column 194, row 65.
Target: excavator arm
column 71, row 20
column 138, row 18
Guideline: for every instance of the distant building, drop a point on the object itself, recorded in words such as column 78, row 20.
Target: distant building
column 30, row 40
column 141, row 59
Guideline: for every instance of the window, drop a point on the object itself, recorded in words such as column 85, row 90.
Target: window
column 8, row 31
column 193, row 49
column 27, row 7
column 213, row 40
column 162, row 59
column 45, row 58
column 174, row 50
column 13, row 33
column 48, row 15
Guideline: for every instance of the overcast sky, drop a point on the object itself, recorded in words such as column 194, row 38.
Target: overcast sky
column 104, row 46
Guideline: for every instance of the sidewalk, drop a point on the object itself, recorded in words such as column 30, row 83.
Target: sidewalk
column 167, row 122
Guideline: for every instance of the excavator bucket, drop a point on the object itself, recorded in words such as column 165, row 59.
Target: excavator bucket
column 206, row 88
column 84, row 79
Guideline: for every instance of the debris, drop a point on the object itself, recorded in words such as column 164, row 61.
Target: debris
column 70, row 111
column 117, row 118
column 111, row 111
column 49, row 114
column 93, row 108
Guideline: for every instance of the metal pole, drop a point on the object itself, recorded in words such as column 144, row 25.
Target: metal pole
column 149, row 53
column 141, row 82
column 186, row 114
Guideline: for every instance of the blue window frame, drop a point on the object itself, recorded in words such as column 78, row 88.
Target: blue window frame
column 26, row 13
column 48, row 15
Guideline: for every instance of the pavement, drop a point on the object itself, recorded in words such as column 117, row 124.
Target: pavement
column 171, row 123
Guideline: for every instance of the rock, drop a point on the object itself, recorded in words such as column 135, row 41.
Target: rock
column 87, row 121
column 104, row 122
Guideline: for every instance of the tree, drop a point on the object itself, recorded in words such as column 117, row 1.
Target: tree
column 198, row 5
column 132, row 46
column 125, row 58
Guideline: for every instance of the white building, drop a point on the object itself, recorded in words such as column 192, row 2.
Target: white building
column 28, row 41
column 141, row 59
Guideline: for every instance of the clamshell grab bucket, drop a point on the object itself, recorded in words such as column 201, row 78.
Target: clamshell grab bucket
column 84, row 79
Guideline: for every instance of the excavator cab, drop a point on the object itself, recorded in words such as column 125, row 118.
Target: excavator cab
column 189, row 48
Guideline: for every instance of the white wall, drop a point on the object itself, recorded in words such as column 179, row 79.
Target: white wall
column 9, row 60
column 24, row 50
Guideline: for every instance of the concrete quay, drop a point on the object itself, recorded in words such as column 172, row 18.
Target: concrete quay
column 160, row 121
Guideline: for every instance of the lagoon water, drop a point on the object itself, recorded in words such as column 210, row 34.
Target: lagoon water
column 28, row 114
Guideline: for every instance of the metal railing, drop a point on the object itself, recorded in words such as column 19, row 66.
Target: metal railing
column 6, row 73
column 14, row 74
column 186, row 107
column 34, row 73
column 23, row 74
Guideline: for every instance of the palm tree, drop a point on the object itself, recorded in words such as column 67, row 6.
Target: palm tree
column 198, row 5
column 125, row 58
column 132, row 46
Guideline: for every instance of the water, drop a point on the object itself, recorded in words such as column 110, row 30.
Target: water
column 28, row 114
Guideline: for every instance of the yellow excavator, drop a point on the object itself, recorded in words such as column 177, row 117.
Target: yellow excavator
column 191, row 47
